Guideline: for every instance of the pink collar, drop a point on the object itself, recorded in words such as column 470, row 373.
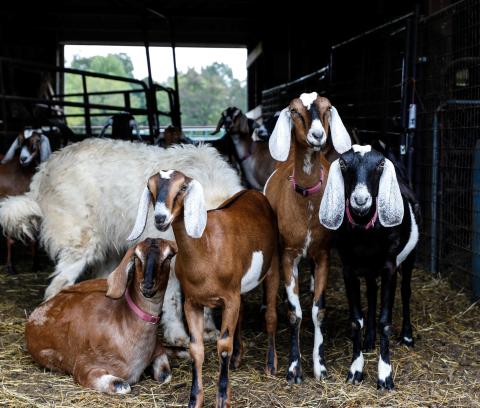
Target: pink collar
column 306, row 191
column 370, row 224
column 139, row 312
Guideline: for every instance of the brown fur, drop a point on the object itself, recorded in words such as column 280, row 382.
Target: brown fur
column 297, row 215
column 210, row 270
column 89, row 330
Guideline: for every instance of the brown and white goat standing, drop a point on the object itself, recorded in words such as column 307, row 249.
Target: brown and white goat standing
column 222, row 254
column 295, row 191
column 103, row 331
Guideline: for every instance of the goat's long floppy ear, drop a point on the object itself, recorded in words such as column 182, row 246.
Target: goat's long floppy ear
column 279, row 142
column 244, row 124
column 220, row 123
column 45, row 149
column 332, row 207
column 118, row 279
column 340, row 137
column 142, row 213
column 195, row 213
column 389, row 200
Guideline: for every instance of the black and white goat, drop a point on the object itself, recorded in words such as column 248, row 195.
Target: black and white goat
column 377, row 219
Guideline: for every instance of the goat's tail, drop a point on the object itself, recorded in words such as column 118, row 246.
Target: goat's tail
column 20, row 217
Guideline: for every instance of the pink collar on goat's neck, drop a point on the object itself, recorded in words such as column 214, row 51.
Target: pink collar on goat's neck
column 306, row 191
column 139, row 312
column 370, row 224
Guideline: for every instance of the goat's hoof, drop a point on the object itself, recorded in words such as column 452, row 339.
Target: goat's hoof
column 164, row 377
column 271, row 370
column 121, row 387
column 235, row 362
column 355, row 378
column 295, row 376
column 10, row 270
column 322, row 375
column 406, row 340
column 386, row 384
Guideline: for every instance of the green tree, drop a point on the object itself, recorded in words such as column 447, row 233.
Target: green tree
column 111, row 64
column 205, row 94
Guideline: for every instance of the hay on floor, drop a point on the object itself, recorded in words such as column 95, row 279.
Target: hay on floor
column 442, row 370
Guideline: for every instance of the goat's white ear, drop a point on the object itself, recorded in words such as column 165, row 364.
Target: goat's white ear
column 279, row 142
column 389, row 200
column 118, row 279
column 45, row 149
column 195, row 213
column 340, row 137
column 332, row 207
column 142, row 213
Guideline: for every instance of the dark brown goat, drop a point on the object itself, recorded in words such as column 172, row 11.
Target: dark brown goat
column 252, row 156
column 92, row 331
column 16, row 171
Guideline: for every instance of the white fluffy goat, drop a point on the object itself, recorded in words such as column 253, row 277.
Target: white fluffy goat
column 83, row 203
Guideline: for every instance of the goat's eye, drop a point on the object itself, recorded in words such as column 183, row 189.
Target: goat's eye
column 343, row 165
column 381, row 165
column 183, row 188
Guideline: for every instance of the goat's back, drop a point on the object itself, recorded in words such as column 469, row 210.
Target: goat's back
column 89, row 191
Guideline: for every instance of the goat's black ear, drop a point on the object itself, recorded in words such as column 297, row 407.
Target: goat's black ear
column 332, row 207
column 220, row 123
column 118, row 279
column 389, row 200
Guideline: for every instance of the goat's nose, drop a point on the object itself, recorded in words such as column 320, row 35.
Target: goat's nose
column 160, row 218
column 360, row 200
column 317, row 134
column 23, row 159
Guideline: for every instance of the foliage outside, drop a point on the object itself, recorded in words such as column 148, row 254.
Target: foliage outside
column 203, row 95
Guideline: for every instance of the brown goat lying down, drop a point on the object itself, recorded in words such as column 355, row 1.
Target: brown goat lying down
column 103, row 331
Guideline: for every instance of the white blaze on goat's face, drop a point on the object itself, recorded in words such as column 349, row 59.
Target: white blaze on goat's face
column 308, row 98
column 25, row 156
column 361, row 199
column 165, row 174
column 361, row 149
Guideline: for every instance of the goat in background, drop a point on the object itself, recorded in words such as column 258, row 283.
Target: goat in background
column 250, row 151
column 28, row 150
column 377, row 237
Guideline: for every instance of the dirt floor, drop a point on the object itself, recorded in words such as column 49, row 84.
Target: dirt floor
column 442, row 370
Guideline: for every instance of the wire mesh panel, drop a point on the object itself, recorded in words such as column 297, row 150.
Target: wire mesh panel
column 447, row 148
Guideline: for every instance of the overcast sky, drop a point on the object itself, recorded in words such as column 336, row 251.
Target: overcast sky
column 161, row 58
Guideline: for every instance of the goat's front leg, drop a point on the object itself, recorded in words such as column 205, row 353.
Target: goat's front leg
column 352, row 286
column 290, row 262
column 318, row 313
column 99, row 379
column 225, row 347
column 371, row 327
column 9, row 268
column 272, row 282
column 406, row 335
column 194, row 316
column 160, row 365
column 389, row 275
